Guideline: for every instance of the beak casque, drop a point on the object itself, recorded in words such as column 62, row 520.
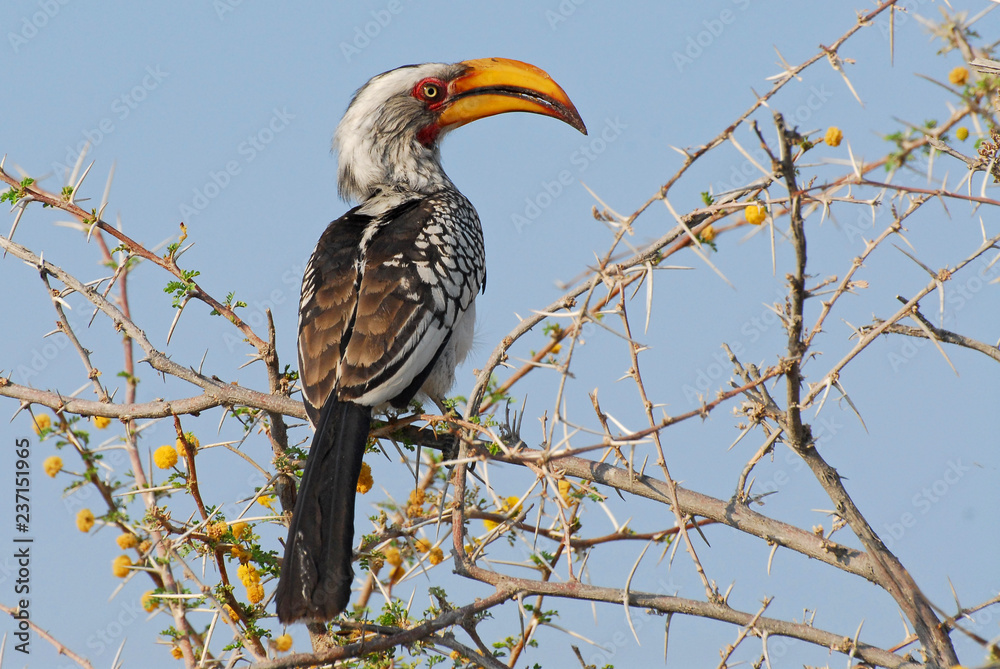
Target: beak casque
column 491, row 86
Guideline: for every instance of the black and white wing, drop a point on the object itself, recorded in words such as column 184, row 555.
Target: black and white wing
column 381, row 295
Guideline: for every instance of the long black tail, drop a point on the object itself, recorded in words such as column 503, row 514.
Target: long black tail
column 316, row 574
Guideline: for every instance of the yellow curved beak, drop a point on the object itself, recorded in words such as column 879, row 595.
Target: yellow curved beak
column 493, row 86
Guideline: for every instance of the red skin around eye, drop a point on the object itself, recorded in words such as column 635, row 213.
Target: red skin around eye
column 418, row 91
column 428, row 134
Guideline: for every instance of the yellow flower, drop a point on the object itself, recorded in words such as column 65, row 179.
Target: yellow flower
column 415, row 505
column 84, row 520
column 255, row 592
column 565, row 492
column 239, row 529
column 392, row 556
column 833, row 136
column 239, row 553
column 127, row 541
column 145, row 546
column 283, row 643
column 708, row 234
column 455, row 655
column 42, row 422
column 165, row 457
column 958, row 76
column 437, row 555
column 120, row 566
column 231, row 613
column 216, row 530
column 100, row 422
column 177, row 652
column 510, row 507
column 397, row 573
column 755, row 214
column 149, row 602
column 182, row 449
column 423, row 545
column 267, row 501
column 248, row 574
column 365, row 481
column 52, row 465
column 962, row 133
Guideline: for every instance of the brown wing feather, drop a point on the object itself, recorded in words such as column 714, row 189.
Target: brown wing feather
column 392, row 329
column 370, row 336
column 329, row 298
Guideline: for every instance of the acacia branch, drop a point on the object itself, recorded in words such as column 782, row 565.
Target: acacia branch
column 402, row 638
column 134, row 248
column 889, row 571
column 60, row 648
column 872, row 333
column 945, row 336
column 693, row 503
column 218, row 394
column 714, row 611
column 790, row 74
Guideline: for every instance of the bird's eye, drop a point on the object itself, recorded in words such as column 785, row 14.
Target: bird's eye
column 429, row 90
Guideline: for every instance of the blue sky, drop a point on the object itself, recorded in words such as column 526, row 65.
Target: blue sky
column 220, row 114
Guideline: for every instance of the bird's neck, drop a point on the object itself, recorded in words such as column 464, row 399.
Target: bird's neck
column 367, row 169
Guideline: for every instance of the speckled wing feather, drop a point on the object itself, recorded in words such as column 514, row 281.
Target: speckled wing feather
column 380, row 296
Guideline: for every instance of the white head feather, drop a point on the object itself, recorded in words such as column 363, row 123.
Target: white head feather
column 377, row 143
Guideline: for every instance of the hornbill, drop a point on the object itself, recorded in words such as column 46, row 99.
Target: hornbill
column 388, row 296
